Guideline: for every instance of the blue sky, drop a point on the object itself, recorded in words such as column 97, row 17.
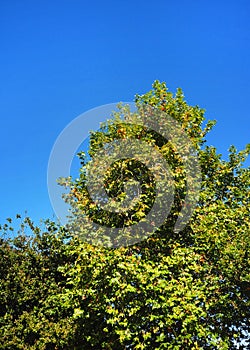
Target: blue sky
column 60, row 58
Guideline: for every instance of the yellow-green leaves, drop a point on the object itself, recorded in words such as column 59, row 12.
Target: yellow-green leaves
column 174, row 290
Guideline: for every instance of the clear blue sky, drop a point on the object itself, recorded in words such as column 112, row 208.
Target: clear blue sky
column 61, row 58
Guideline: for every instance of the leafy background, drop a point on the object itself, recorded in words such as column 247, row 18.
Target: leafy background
column 174, row 290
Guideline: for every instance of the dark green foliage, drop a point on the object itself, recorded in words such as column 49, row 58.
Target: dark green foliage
column 30, row 318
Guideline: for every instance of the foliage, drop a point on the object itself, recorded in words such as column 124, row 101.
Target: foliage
column 173, row 290
column 30, row 318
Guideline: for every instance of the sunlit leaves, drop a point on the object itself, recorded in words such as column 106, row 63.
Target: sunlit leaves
column 184, row 290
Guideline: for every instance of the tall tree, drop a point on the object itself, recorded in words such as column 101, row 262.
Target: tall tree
column 185, row 289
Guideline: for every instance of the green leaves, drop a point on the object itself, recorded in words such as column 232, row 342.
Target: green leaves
column 185, row 290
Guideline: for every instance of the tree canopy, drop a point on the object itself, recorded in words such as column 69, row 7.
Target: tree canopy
column 73, row 287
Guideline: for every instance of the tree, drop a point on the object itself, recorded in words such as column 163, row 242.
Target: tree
column 174, row 289
column 30, row 317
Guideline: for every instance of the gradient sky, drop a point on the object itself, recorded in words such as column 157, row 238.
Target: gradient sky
column 60, row 58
